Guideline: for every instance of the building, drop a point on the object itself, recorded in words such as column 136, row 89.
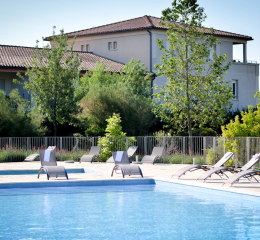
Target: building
column 12, row 57
column 136, row 38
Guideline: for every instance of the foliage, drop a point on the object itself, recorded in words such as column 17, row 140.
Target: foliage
column 137, row 78
column 134, row 75
column 200, row 132
column 161, row 133
column 93, row 79
column 19, row 154
column 52, row 76
column 16, row 117
column 109, row 96
column 219, row 151
column 246, row 126
column 115, row 138
column 196, row 93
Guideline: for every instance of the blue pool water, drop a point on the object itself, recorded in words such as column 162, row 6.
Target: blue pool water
column 35, row 171
column 161, row 211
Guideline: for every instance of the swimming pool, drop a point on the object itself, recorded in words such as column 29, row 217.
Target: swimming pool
column 35, row 171
column 161, row 211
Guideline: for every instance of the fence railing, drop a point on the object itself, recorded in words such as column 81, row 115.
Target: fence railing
column 205, row 150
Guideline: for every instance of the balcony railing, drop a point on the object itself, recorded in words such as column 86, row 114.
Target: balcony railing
column 241, row 61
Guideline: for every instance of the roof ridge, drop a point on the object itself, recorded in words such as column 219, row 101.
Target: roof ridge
column 104, row 25
column 148, row 19
column 2, row 45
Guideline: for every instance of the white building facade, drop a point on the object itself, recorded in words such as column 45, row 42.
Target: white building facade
column 136, row 38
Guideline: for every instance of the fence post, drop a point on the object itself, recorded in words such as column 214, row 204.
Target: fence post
column 204, row 150
column 10, row 149
column 183, row 150
column 236, row 156
column 214, row 149
column 92, row 141
column 28, row 146
column 165, row 150
column 45, row 142
column 224, row 145
column 247, row 149
column 77, row 142
column 126, row 143
column 145, row 146
column 60, row 148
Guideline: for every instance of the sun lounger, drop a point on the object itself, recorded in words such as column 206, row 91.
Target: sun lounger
column 220, row 171
column 123, row 165
column 32, row 157
column 249, row 174
column 156, row 154
column 192, row 168
column 94, row 153
column 49, row 165
column 130, row 152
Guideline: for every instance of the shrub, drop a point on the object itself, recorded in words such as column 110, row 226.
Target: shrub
column 115, row 138
column 17, row 119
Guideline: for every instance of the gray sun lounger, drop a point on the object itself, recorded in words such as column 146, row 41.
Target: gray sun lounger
column 156, row 154
column 33, row 156
column 249, row 174
column 192, row 168
column 123, row 165
column 94, row 153
column 130, row 152
column 220, row 171
column 49, row 165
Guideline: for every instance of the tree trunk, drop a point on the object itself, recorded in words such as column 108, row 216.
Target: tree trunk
column 188, row 100
column 55, row 129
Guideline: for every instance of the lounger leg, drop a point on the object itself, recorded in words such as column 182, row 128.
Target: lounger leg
column 40, row 171
column 112, row 171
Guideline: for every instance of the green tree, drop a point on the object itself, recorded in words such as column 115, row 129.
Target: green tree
column 103, row 93
column 137, row 77
column 16, row 119
column 196, row 93
column 103, row 100
column 246, row 126
column 52, row 77
column 134, row 75
column 115, row 138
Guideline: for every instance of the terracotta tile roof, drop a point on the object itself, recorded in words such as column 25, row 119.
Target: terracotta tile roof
column 13, row 56
column 141, row 23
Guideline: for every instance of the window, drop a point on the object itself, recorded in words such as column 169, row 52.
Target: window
column 234, row 88
column 87, row 48
column 115, row 45
column 110, row 46
column 82, row 48
column 213, row 49
column 2, row 84
column 167, row 45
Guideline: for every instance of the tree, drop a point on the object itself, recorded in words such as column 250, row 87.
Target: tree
column 16, row 119
column 103, row 93
column 134, row 75
column 115, row 138
column 52, row 77
column 196, row 93
column 103, row 100
column 137, row 78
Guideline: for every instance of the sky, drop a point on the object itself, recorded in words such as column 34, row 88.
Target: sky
column 24, row 22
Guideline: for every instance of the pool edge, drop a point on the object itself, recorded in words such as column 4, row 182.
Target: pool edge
column 77, row 183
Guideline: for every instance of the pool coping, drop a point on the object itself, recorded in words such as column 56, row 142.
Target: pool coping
column 77, row 183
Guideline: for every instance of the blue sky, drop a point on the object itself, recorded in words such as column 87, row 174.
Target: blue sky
column 23, row 22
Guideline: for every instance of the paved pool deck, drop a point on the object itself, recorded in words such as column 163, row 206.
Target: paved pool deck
column 102, row 171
